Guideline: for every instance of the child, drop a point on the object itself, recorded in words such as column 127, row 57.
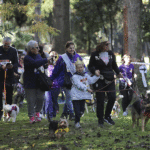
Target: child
column 80, row 90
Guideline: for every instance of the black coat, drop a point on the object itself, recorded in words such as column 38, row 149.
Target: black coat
column 10, row 55
column 96, row 63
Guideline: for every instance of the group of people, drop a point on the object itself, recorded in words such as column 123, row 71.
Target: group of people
column 102, row 65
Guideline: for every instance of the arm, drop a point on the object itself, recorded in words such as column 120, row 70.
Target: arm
column 114, row 64
column 92, row 80
column 91, row 64
column 57, row 68
column 35, row 63
column 79, row 85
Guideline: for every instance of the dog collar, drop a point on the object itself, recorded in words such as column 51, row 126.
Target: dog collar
column 61, row 130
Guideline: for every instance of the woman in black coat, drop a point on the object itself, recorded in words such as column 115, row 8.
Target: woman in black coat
column 104, row 60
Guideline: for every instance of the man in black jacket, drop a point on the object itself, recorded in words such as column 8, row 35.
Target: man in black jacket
column 8, row 64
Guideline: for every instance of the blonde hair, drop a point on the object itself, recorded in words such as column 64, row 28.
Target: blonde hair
column 79, row 62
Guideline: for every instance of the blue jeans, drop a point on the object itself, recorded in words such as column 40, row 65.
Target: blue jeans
column 51, row 104
column 79, row 107
column 68, row 106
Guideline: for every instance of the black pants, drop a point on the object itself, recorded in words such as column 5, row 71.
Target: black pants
column 128, row 94
column 79, row 107
column 9, row 93
column 100, row 96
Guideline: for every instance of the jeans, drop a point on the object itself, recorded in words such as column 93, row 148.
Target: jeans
column 79, row 107
column 68, row 106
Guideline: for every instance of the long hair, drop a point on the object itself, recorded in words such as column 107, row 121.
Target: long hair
column 101, row 46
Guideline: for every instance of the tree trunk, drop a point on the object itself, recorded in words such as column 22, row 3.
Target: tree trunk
column 134, row 38
column 38, row 12
column 62, row 23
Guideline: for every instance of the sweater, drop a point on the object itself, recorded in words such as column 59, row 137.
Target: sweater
column 31, row 63
column 10, row 55
column 80, row 86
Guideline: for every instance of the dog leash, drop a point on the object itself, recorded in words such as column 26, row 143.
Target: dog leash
column 5, row 74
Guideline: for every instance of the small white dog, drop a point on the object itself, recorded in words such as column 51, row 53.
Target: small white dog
column 10, row 112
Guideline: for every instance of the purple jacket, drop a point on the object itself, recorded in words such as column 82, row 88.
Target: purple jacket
column 50, row 70
column 127, row 70
column 60, row 67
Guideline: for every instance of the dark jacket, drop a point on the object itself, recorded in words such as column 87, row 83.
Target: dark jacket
column 10, row 55
column 31, row 63
column 98, row 64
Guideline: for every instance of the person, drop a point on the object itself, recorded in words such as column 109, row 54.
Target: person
column 34, row 95
column 127, row 70
column 80, row 90
column 19, row 86
column 8, row 65
column 65, row 63
column 51, row 104
column 103, row 60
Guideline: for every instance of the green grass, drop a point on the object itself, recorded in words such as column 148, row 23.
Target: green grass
column 21, row 135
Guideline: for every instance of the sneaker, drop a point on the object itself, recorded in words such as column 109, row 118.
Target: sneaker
column 125, row 113
column 109, row 121
column 71, row 117
column 77, row 125
column 101, row 123
column 32, row 120
column 37, row 117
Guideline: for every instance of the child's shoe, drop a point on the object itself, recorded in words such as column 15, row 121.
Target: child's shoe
column 77, row 125
column 32, row 120
column 37, row 115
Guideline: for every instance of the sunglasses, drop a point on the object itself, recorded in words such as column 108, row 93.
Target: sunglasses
column 6, row 45
column 36, row 47
column 55, row 56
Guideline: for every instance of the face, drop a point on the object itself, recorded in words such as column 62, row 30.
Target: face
column 106, row 47
column 6, row 45
column 127, row 60
column 71, row 49
column 80, row 68
column 22, row 58
column 35, row 49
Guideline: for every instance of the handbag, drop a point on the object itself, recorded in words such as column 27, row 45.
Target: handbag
column 44, row 82
column 67, row 81
column 108, row 75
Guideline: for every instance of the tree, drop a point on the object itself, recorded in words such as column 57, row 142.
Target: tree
column 62, row 23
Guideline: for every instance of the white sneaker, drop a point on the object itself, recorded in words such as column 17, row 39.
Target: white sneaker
column 125, row 113
column 77, row 125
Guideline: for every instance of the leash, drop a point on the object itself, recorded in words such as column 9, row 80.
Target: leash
column 5, row 74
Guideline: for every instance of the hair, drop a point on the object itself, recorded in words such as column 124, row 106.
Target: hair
column 30, row 45
column 7, row 39
column 68, row 44
column 126, row 55
column 53, row 53
column 41, row 49
column 100, row 47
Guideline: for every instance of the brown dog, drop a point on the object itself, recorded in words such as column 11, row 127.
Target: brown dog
column 58, row 128
column 140, row 109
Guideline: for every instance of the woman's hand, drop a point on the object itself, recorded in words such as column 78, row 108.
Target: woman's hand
column 97, row 72
column 120, row 75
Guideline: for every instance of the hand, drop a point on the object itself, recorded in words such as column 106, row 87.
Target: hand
column 3, row 67
column 120, row 75
column 97, row 72
column 90, row 90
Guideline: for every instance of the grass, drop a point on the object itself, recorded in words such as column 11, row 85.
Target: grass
column 21, row 135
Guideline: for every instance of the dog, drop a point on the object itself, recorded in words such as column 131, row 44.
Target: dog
column 58, row 128
column 140, row 109
column 116, row 108
column 10, row 112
